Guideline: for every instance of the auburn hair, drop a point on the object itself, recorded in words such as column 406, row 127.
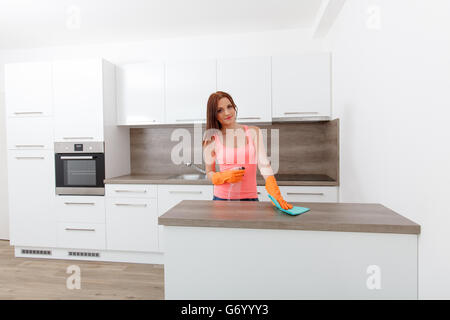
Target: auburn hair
column 212, row 124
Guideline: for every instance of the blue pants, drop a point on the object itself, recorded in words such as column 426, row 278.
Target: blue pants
column 247, row 199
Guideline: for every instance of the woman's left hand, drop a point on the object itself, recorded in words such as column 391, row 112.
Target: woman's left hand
column 274, row 191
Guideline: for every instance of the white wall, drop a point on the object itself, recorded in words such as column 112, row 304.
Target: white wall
column 391, row 92
column 233, row 45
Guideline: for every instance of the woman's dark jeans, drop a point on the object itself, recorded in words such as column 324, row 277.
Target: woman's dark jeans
column 247, row 199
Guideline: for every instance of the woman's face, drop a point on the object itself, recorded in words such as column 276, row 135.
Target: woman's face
column 225, row 113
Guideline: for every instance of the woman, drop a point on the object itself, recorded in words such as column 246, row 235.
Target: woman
column 233, row 146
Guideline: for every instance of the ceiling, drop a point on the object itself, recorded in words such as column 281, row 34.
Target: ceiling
column 42, row 23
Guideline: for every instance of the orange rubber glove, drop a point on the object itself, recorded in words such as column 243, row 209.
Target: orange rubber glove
column 274, row 191
column 231, row 176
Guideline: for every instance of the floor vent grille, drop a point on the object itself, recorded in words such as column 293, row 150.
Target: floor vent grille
column 83, row 254
column 41, row 252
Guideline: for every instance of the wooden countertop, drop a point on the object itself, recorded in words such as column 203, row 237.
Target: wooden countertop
column 348, row 217
column 282, row 180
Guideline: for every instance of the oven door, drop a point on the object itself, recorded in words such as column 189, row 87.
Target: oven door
column 80, row 173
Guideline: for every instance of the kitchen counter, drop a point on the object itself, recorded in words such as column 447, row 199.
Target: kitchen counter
column 249, row 250
column 350, row 217
column 282, row 180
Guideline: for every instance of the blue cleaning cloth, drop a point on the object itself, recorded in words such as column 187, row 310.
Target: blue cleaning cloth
column 295, row 211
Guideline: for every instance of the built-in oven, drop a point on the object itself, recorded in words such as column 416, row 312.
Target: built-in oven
column 80, row 168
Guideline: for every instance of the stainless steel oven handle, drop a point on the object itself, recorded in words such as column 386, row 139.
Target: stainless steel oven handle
column 76, row 157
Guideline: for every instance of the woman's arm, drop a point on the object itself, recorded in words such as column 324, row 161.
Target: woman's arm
column 266, row 170
column 261, row 155
column 210, row 158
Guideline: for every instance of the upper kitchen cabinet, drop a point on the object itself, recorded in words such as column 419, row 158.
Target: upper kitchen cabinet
column 28, row 89
column 301, row 87
column 140, row 93
column 81, row 89
column 188, row 87
column 247, row 80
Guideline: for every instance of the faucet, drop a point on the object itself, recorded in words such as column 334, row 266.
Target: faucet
column 190, row 164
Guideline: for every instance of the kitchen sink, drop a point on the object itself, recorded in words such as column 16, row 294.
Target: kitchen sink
column 189, row 176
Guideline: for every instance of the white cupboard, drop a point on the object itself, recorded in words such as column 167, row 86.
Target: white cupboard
column 188, row 87
column 248, row 81
column 140, row 93
column 132, row 224
column 29, row 133
column 31, row 187
column 78, row 100
column 301, row 86
column 28, row 89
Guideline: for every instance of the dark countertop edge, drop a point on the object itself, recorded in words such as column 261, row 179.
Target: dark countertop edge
column 366, row 228
column 207, row 182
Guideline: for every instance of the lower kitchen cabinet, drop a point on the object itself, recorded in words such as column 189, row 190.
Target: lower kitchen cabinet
column 89, row 209
column 171, row 195
column 132, row 224
column 31, row 184
column 303, row 193
column 81, row 235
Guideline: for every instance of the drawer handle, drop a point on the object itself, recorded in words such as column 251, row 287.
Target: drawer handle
column 313, row 112
column 79, row 229
column 29, row 112
column 249, row 118
column 131, row 204
column 78, row 138
column 186, row 192
column 133, row 191
column 29, row 145
column 306, row 193
column 30, row 158
column 82, row 203
column 181, row 120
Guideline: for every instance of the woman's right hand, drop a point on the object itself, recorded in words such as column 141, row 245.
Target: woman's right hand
column 231, row 176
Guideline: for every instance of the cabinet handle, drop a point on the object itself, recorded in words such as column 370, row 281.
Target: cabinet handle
column 29, row 112
column 79, row 229
column 29, row 145
column 81, row 203
column 77, row 138
column 249, row 118
column 133, row 191
column 131, row 204
column 76, row 157
column 185, row 191
column 180, row 120
column 313, row 112
column 306, row 193
column 30, row 158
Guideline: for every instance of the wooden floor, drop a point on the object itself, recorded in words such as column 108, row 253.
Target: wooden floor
column 26, row 278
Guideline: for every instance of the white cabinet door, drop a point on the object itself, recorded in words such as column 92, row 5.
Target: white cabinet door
column 301, row 86
column 309, row 193
column 28, row 89
column 78, row 99
column 303, row 193
column 89, row 209
column 81, row 235
column 188, row 87
column 132, row 224
column 171, row 195
column 31, row 181
column 140, row 93
column 247, row 80
column 30, row 133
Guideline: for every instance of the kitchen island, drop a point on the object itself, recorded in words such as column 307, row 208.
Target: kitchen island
column 250, row 250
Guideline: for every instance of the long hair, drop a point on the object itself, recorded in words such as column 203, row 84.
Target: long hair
column 212, row 124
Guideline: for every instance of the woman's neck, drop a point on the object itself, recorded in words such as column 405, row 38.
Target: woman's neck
column 231, row 127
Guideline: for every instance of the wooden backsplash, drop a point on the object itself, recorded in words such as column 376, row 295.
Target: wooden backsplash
column 304, row 148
